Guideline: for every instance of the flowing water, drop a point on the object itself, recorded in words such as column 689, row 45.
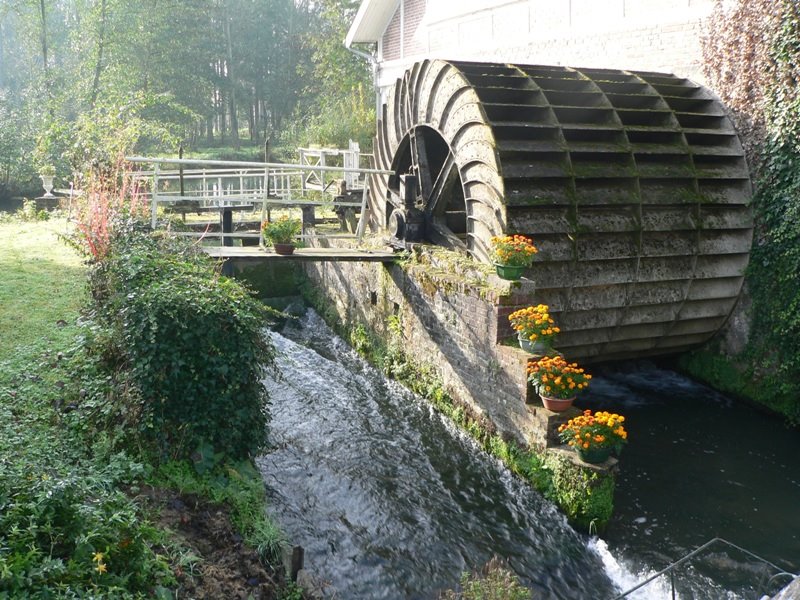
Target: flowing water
column 389, row 500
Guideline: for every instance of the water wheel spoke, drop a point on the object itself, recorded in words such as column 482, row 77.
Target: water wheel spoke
column 442, row 187
column 421, row 163
column 439, row 233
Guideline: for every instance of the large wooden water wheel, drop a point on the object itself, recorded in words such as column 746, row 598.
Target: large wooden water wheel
column 633, row 185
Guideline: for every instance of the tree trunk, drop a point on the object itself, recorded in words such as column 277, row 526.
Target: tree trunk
column 98, row 68
column 43, row 16
column 221, row 122
column 251, row 122
column 210, row 129
column 2, row 58
column 231, row 85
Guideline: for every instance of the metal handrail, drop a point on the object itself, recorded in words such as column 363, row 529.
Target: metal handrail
column 671, row 568
column 255, row 165
column 227, row 185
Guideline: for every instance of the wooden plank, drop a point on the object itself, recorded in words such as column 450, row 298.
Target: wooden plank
column 302, row 254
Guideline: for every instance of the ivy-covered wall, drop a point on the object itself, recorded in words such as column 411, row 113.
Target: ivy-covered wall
column 753, row 62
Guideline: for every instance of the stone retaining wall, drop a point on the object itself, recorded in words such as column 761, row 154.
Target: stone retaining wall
column 454, row 321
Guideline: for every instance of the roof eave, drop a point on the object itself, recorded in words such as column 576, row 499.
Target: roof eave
column 370, row 22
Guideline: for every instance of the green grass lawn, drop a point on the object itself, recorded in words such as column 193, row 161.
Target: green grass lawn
column 42, row 283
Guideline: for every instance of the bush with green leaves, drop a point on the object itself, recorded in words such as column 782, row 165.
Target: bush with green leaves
column 190, row 341
column 67, row 529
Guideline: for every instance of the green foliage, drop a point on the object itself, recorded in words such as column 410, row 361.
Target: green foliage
column 775, row 259
column 360, row 340
column 291, row 592
column 282, row 230
column 16, row 142
column 495, row 582
column 236, row 485
column 773, row 276
column 101, row 136
column 335, row 121
column 190, row 344
column 68, row 527
column 245, row 153
column 337, row 103
column 738, row 62
column 60, row 505
column 88, row 81
column 753, row 57
column 587, row 498
column 28, row 212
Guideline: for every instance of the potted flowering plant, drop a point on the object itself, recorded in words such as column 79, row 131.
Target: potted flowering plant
column 535, row 328
column 595, row 436
column 512, row 254
column 557, row 381
column 280, row 233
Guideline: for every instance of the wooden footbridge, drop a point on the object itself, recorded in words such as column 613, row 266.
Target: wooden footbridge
column 301, row 254
column 330, row 199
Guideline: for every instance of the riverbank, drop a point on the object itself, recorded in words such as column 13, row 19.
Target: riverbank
column 82, row 517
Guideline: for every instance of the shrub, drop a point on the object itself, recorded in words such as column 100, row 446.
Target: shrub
column 68, row 527
column 61, row 504
column 283, row 230
column 495, row 582
column 191, row 341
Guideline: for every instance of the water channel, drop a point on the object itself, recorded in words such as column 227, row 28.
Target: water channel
column 389, row 500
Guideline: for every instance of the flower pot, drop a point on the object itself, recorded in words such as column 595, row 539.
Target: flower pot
column 538, row 347
column 283, row 249
column 556, row 404
column 510, row 272
column 594, row 455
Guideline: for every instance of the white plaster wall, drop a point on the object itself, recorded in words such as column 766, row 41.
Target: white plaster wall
column 647, row 35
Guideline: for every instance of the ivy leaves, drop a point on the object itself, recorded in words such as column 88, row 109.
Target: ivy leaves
column 192, row 344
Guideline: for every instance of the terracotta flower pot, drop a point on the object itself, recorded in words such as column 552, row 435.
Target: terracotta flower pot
column 556, row 404
column 283, row 249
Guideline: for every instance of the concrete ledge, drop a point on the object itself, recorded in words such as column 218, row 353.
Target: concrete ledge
column 572, row 456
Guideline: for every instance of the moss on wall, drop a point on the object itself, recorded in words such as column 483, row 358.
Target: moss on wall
column 585, row 496
column 743, row 377
column 270, row 279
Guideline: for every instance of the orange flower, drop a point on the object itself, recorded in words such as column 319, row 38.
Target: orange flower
column 513, row 250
